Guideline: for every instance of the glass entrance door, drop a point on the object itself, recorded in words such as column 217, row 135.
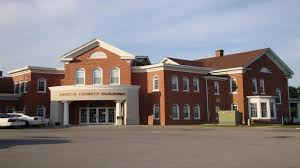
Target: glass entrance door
column 102, row 115
column 93, row 116
column 111, row 115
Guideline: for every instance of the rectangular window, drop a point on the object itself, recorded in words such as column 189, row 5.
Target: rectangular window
column 16, row 88
column 41, row 111
column 217, row 112
column 233, row 85
column 262, row 86
column 234, row 107
column 197, row 112
column 175, row 112
column 186, row 112
column 174, row 83
column 83, row 115
column 278, row 96
column 156, row 111
column 253, row 109
column 216, row 88
column 25, row 86
column 42, row 85
column 254, row 86
column 272, row 109
column 263, row 107
column 186, row 84
column 196, row 84
column 155, row 83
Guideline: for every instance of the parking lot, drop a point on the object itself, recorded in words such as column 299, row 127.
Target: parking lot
column 141, row 146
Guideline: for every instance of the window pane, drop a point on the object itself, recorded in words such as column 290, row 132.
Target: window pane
column 156, row 111
column 233, row 85
column 174, row 83
column 80, row 77
column 114, row 78
column 272, row 110
column 175, row 111
column 254, row 86
column 186, row 111
column 196, row 112
column 253, row 109
column 97, row 77
column 263, row 109
column 196, row 84
column 42, row 85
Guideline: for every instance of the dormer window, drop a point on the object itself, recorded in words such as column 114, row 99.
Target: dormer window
column 115, row 76
column 80, row 77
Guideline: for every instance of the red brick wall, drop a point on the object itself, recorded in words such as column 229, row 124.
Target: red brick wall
column 6, row 85
column 32, row 98
column 272, row 81
column 89, row 65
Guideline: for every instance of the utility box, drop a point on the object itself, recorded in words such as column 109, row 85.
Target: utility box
column 232, row 118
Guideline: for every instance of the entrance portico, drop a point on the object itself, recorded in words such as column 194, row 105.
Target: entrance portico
column 107, row 104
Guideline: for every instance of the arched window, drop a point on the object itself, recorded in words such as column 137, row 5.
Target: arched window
column 97, row 76
column 80, row 77
column 115, row 76
column 42, row 85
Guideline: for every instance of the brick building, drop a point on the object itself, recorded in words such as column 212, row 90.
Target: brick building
column 102, row 84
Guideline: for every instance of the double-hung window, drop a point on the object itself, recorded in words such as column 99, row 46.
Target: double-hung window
column 197, row 112
column 196, row 84
column 278, row 96
column 263, row 109
column 186, row 84
column 253, row 110
column 254, row 86
column 156, row 111
column 97, row 76
column 175, row 112
column 115, row 76
column 174, row 83
column 80, row 77
column 42, row 85
column 155, row 83
column 41, row 111
column 262, row 86
column 186, row 112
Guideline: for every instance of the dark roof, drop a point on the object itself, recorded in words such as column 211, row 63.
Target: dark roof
column 227, row 61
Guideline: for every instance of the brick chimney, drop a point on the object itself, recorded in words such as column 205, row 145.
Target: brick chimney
column 219, row 52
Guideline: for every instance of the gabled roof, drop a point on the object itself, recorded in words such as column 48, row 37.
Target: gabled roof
column 69, row 56
column 232, row 61
column 37, row 69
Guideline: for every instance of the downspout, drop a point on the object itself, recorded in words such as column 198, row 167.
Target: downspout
column 207, row 110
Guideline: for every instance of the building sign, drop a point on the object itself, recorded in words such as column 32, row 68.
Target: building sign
column 67, row 94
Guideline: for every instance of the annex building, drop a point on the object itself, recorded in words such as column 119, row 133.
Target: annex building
column 102, row 84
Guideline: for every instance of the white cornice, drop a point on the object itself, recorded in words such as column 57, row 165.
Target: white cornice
column 69, row 56
column 170, row 67
column 229, row 71
column 215, row 78
column 35, row 69
column 91, row 87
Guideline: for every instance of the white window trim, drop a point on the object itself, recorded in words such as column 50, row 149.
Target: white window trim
column 101, row 76
column 119, row 74
column 188, row 84
column 188, row 110
column 154, row 107
column 38, row 85
column 154, row 78
column 197, row 87
column 199, row 112
column 280, row 95
column 231, row 80
column 258, row 102
column 177, row 110
column 25, row 87
column 80, row 69
column 255, row 81
column 216, row 83
column 44, row 110
column 267, row 108
column 177, row 86
column 262, row 85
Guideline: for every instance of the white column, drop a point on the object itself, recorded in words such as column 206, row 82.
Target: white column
column 125, row 112
column 66, row 113
column 118, row 113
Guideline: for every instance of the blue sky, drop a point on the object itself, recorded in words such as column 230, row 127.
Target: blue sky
column 38, row 32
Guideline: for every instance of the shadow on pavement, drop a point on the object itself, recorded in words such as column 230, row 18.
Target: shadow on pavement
column 7, row 143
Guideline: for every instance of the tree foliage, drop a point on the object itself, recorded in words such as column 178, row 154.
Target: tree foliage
column 294, row 92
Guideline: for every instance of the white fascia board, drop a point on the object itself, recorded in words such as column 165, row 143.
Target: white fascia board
column 171, row 67
column 215, row 78
column 268, row 97
column 168, row 61
column 229, row 71
column 92, row 87
column 35, row 68
column 92, row 44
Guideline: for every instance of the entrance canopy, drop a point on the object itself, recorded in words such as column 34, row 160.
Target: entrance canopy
column 91, row 92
